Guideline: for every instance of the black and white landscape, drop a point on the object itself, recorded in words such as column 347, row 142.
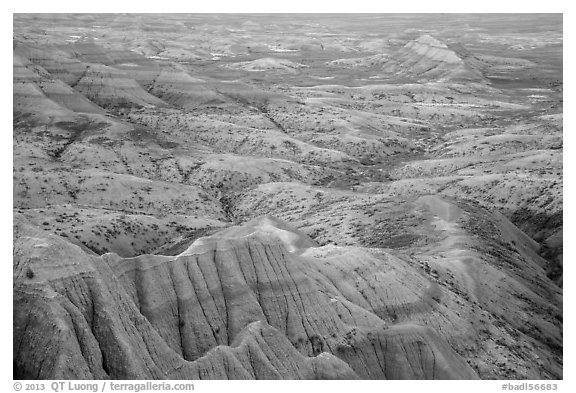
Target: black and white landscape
column 349, row 196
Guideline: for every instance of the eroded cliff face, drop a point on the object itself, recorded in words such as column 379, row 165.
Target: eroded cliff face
column 238, row 305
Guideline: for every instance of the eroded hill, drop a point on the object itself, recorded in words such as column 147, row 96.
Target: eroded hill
column 232, row 197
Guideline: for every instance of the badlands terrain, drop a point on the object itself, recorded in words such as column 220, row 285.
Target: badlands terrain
column 287, row 196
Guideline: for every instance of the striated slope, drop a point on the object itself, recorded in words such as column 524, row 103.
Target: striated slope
column 30, row 101
column 74, row 320
column 427, row 58
column 473, row 257
column 268, row 64
column 235, row 305
column 114, row 89
column 59, row 63
column 180, row 89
